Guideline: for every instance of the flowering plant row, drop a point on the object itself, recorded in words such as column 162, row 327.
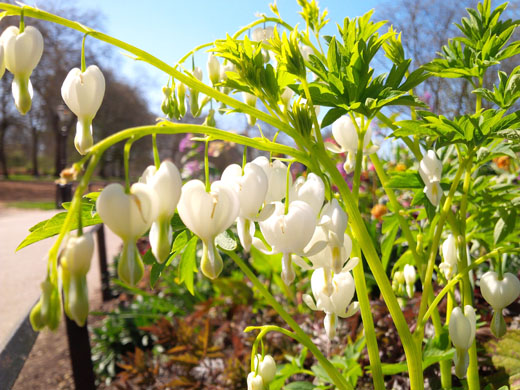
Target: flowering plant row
column 313, row 222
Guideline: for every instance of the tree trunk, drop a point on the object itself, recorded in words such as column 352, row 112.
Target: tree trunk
column 3, row 157
column 35, row 170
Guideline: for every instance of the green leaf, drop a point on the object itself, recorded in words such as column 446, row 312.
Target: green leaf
column 156, row 271
column 388, row 241
column 188, row 264
column 331, row 116
column 180, row 242
column 299, row 385
column 226, row 241
column 408, row 179
column 52, row 226
column 505, row 353
column 504, row 226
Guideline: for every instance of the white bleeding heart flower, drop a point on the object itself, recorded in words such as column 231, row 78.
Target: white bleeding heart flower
column 207, row 214
column 335, row 220
column 289, row 234
column 449, row 254
column 74, row 266
column 410, row 275
column 266, row 368
column 434, row 192
column 251, row 189
column 83, row 93
column 430, row 167
column 255, row 382
column 345, row 133
column 338, row 303
column 213, row 69
column 276, row 172
column 2, row 60
column 261, row 34
column 310, row 190
column 334, row 255
column 22, row 51
column 166, row 182
column 129, row 216
column 499, row 293
column 462, row 330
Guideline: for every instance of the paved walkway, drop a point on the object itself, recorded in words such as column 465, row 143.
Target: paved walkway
column 22, row 272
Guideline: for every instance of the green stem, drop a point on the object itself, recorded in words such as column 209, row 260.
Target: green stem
column 166, row 127
column 73, row 209
column 156, row 159
column 126, row 160
column 287, row 187
column 317, row 128
column 412, row 352
column 453, row 282
column 427, row 286
column 332, row 371
column 206, row 165
column 368, row 321
column 467, row 293
column 83, row 63
column 21, row 28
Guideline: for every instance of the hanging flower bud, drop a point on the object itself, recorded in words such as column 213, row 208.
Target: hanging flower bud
column 129, row 216
column 22, row 53
column 74, row 266
column 47, row 311
column 251, row 189
column 250, row 100
column 449, row 254
column 83, row 93
column 266, row 368
column 286, row 96
column 311, row 190
column 345, row 133
column 276, row 172
column 207, row 214
column 181, row 97
column 166, row 182
column 499, row 294
column 255, row 382
column 462, row 333
column 339, row 302
column 409, row 277
column 194, row 94
column 398, row 282
column 213, row 69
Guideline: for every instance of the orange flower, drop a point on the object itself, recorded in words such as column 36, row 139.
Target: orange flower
column 502, row 162
column 378, row 211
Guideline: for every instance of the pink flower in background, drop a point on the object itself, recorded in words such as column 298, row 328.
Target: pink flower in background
column 186, row 143
column 427, row 97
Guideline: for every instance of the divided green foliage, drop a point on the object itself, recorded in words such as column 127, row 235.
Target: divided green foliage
column 483, row 44
column 346, row 78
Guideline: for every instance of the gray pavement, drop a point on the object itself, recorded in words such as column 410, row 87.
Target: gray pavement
column 22, row 272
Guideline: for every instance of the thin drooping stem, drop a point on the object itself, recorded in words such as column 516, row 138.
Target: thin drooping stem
column 368, row 321
column 332, row 371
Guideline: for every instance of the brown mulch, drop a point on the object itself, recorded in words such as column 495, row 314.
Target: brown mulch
column 41, row 191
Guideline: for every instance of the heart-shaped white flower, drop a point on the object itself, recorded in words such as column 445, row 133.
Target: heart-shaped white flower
column 266, row 368
column 166, row 182
column 23, row 51
column 310, row 190
column 129, row 216
column 207, row 214
column 83, row 93
column 462, row 333
column 276, row 172
column 499, row 293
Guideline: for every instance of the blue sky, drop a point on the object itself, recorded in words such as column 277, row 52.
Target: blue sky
column 169, row 29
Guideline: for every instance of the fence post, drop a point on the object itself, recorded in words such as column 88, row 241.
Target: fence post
column 103, row 265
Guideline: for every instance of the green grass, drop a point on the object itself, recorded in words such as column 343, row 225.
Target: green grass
column 32, row 205
column 31, row 178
